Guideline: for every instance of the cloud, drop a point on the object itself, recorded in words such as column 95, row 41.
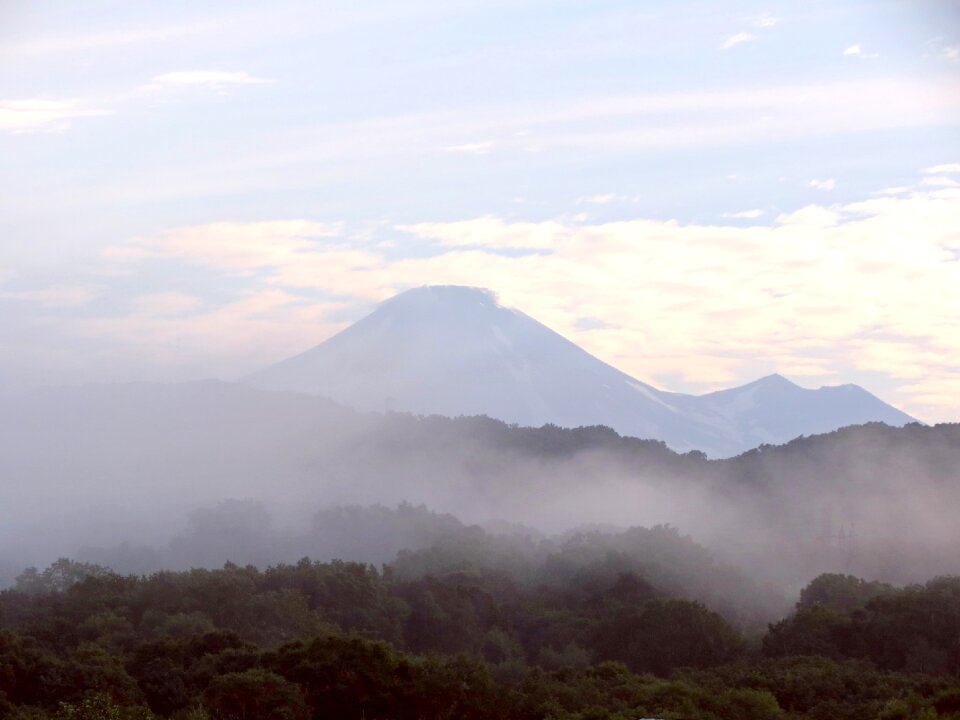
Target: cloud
column 810, row 216
column 117, row 38
column 744, row 214
column 602, row 199
column 939, row 181
column 490, row 232
column 236, row 247
column 857, row 51
column 57, row 296
column 951, row 54
column 831, row 291
column 217, row 80
column 611, row 125
column 946, row 169
column 480, row 148
column 737, row 39
column 763, row 22
column 42, row 114
column 169, row 304
column 173, row 329
column 825, row 184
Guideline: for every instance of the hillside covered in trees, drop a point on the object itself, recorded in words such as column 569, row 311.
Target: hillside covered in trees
column 589, row 632
column 569, row 574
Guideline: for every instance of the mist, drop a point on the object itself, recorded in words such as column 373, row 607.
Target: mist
column 145, row 477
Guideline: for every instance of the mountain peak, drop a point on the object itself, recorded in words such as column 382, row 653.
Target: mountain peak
column 443, row 294
column 455, row 350
column 775, row 379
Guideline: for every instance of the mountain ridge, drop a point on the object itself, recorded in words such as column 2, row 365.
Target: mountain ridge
column 455, row 350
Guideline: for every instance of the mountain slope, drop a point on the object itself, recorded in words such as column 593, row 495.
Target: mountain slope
column 452, row 350
column 773, row 409
column 456, row 351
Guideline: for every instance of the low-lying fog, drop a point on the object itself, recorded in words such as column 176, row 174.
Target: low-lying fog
column 141, row 477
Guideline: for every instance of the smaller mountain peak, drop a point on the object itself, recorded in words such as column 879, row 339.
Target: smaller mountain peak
column 775, row 379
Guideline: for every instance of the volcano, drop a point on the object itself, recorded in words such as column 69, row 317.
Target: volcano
column 451, row 350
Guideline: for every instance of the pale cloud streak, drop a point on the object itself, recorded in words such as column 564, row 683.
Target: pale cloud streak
column 939, row 181
column 631, row 123
column 601, row 199
column 945, row 169
column 175, row 329
column 58, row 296
column 218, row 80
column 41, row 114
column 44, row 114
column 480, row 148
column 823, row 184
column 491, row 232
column 236, row 247
column 858, row 52
column 751, row 214
column 737, row 39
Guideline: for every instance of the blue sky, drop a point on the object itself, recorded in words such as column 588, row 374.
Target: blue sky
column 698, row 193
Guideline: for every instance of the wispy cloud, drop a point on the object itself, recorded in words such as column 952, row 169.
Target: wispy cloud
column 857, row 51
column 116, row 38
column 480, row 148
column 218, row 80
column 166, row 304
column 237, row 247
column 490, row 232
column 951, row 53
column 737, row 39
column 744, row 214
column 172, row 329
column 58, row 296
column 824, row 184
column 57, row 114
column 939, row 181
column 43, row 114
column 601, row 199
column 945, row 169
column 815, row 216
column 762, row 22
column 618, row 124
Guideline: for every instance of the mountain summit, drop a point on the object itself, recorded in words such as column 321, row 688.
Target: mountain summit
column 452, row 350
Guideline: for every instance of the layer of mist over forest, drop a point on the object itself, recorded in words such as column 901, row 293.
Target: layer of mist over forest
column 143, row 477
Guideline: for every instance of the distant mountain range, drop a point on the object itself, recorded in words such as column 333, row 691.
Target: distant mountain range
column 451, row 350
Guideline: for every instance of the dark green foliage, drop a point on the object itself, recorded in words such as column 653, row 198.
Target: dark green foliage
column 60, row 576
column 659, row 636
column 915, row 629
column 254, row 693
column 594, row 628
column 816, row 687
column 842, row 593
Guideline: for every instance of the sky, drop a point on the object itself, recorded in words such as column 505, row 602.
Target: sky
column 698, row 193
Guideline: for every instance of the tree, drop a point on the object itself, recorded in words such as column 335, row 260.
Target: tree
column 252, row 695
column 665, row 634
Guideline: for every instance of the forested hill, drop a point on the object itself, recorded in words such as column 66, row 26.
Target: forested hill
column 871, row 499
column 343, row 640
